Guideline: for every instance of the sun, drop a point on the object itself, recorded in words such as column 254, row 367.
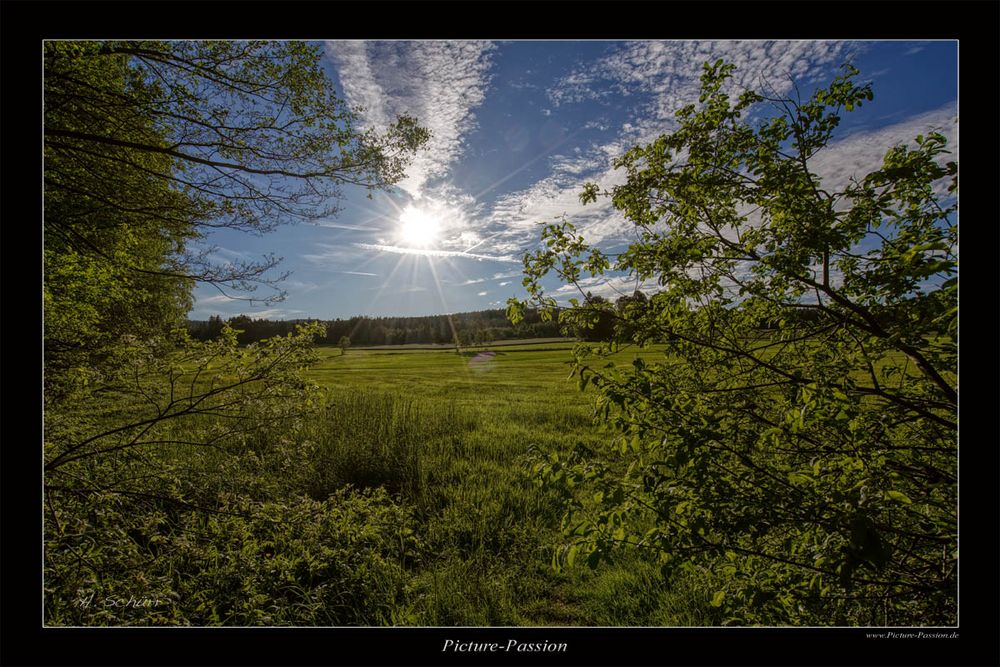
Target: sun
column 417, row 227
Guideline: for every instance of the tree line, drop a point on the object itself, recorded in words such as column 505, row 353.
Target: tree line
column 469, row 328
column 610, row 320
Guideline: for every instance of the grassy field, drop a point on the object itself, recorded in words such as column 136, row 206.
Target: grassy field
column 403, row 495
column 453, row 434
column 404, row 492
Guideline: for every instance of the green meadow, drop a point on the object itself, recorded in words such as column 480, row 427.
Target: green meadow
column 456, row 435
column 405, row 493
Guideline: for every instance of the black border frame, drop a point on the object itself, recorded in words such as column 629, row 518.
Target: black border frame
column 25, row 24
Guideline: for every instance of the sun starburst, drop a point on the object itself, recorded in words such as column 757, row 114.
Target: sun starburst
column 418, row 228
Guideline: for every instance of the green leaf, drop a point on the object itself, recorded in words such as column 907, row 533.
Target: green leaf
column 899, row 497
column 571, row 554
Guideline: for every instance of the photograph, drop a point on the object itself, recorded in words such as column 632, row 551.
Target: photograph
column 499, row 349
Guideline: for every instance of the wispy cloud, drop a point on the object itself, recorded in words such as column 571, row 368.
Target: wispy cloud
column 518, row 215
column 659, row 78
column 272, row 313
column 218, row 298
column 357, row 273
column 609, row 287
column 669, row 71
column 438, row 82
column 267, row 314
column 435, row 253
column 442, row 83
column 329, row 256
column 300, row 286
column 861, row 152
column 225, row 256
column 482, row 293
column 339, row 225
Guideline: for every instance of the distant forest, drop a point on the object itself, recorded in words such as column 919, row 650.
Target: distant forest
column 467, row 328
column 609, row 322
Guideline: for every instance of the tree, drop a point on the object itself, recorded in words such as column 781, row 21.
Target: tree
column 151, row 145
column 214, row 329
column 798, row 436
column 629, row 308
column 148, row 147
column 160, row 385
column 343, row 344
column 593, row 320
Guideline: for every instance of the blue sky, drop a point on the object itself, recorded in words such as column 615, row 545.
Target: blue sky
column 518, row 127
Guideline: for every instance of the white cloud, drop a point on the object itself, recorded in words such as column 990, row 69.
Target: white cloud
column 482, row 293
column 238, row 307
column 337, row 225
column 299, row 285
column 434, row 253
column 520, row 214
column 609, row 287
column 271, row 313
column 861, row 152
column 330, row 256
column 224, row 256
column 597, row 125
column 438, row 82
column 667, row 74
column 218, row 298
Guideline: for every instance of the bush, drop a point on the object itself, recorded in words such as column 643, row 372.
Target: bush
column 340, row 561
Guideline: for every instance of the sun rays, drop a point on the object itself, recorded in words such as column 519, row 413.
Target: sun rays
column 432, row 239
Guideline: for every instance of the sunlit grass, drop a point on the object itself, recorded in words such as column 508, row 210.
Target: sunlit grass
column 463, row 463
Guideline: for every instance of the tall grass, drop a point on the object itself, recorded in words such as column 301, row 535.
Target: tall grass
column 367, row 440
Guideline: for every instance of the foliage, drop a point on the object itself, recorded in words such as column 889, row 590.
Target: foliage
column 151, row 437
column 175, row 480
column 153, row 384
column 339, row 561
column 104, row 271
column 798, row 435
